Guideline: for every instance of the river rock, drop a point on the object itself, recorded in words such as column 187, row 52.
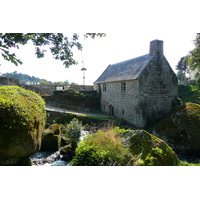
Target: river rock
column 22, row 118
column 68, row 151
column 51, row 140
column 149, row 150
column 181, row 129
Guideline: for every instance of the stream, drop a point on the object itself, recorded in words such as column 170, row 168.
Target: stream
column 47, row 158
column 52, row 158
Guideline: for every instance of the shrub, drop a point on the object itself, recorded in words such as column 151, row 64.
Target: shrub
column 73, row 130
column 190, row 93
column 101, row 149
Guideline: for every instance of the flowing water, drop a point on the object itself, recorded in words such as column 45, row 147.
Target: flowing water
column 47, row 158
column 51, row 158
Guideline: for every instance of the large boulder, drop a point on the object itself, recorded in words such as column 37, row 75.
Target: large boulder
column 149, row 150
column 181, row 129
column 51, row 140
column 22, row 118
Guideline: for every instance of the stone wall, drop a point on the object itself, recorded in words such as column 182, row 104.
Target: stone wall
column 49, row 89
column 158, row 86
column 122, row 101
column 147, row 98
column 8, row 81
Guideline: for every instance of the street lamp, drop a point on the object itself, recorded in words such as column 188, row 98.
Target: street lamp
column 83, row 70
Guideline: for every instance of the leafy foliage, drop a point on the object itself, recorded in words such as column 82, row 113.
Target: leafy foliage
column 193, row 58
column 73, row 130
column 77, row 98
column 190, row 93
column 182, row 64
column 60, row 46
column 181, row 75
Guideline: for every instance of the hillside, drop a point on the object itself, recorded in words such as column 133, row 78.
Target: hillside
column 27, row 79
column 24, row 78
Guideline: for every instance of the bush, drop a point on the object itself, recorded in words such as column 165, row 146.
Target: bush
column 190, row 93
column 73, row 130
column 101, row 149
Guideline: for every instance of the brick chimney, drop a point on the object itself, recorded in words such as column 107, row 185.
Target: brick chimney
column 156, row 46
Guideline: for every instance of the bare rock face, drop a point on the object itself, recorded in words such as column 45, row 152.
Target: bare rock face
column 181, row 129
column 22, row 118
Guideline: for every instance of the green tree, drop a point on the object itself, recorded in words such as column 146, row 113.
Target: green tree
column 182, row 67
column 44, row 82
column 73, row 83
column 73, row 131
column 193, row 58
column 66, row 82
column 180, row 75
column 182, row 64
column 60, row 45
column 58, row 83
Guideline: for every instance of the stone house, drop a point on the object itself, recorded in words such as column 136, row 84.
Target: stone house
column 139, row 90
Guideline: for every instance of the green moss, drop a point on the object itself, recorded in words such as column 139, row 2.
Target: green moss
column 180, row 129
column 22, row 117
column 21, row 105
column 51, row 139
column 149, row 150
column 184, row 163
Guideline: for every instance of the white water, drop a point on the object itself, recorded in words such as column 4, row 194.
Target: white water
column 50, row 158
column 47, row 158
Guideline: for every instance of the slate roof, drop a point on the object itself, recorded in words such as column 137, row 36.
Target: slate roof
column 126, row 70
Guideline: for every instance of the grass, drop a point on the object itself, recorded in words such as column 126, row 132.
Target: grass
column 103, row 148
column 190, row 93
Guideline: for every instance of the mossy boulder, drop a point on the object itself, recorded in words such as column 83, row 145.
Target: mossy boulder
column 181, row 129
column 68, row 152
column 51, row 140
column 149, row 150
column 22, row 118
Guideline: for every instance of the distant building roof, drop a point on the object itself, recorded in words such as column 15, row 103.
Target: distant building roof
column 126, row 70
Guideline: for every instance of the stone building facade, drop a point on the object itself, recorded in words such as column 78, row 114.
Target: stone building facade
column 139, row 90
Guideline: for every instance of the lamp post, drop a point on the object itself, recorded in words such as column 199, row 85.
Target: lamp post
column 83, row 70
